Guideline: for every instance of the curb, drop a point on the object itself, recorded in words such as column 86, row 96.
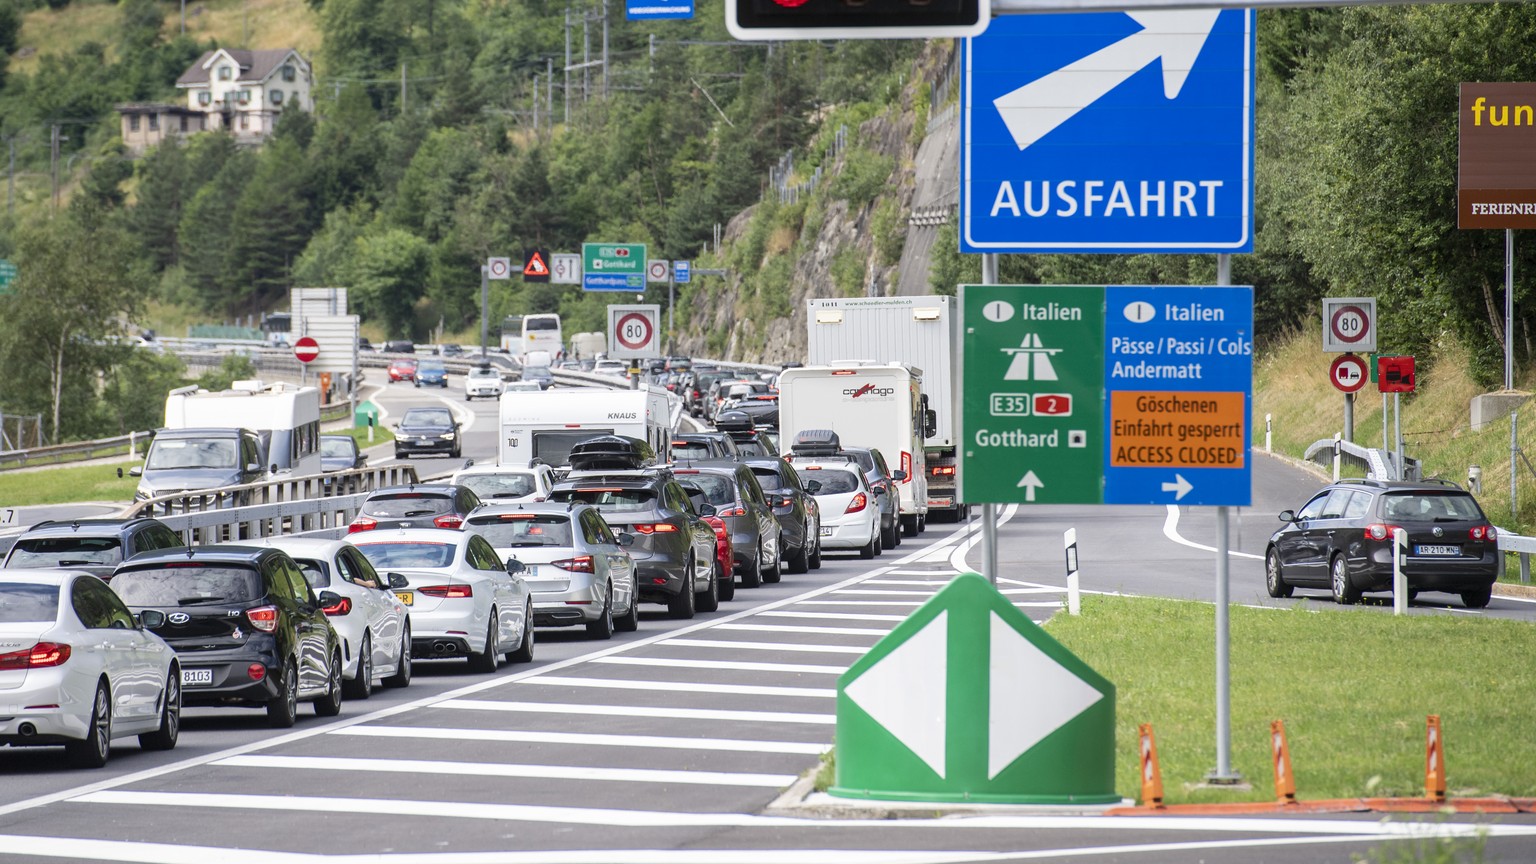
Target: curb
column 803, row 801
column 1338, row 805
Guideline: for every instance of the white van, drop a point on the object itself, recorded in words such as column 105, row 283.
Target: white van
column 544, row 426
column 879, row 405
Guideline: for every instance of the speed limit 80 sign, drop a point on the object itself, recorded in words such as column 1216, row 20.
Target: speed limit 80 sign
column 1349, row 324
column 634, row 331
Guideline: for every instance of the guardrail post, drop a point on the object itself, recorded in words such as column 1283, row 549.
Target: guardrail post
column 1399, row 582
column 1268, row 439
column 1525, row 568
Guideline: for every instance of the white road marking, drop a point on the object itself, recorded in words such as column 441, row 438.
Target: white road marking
column 927, row 583
column 879, row 593
column 639, row 711
column 832, row 616
column 494, row 769
column 1171, row 531
column 942, row 573
column 722, row 664
column 681, row 686
column 586, row 739
column 787, row 647
column 788, row 628
column 858, row 603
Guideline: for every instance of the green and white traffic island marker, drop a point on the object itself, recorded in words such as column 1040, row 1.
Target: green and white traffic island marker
column 970, row 701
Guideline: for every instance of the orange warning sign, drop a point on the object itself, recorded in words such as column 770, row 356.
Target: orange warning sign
column 1176, row 430
column 535, row 268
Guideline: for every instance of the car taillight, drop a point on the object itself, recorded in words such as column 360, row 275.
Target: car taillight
column 858, row 503
column 718, row 524
column 263, row 618
column 579, row 564
column 448, row 520
column 657, row 528
column 341, row 607
column 452, row 592
column 256, row 672
column 362, row 523
column 906, row 465
column 786, row 501
column 1379, row 531
column 38, row 656
column 1484, row 532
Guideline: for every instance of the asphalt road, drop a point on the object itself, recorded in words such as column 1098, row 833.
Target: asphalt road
column 668, row 744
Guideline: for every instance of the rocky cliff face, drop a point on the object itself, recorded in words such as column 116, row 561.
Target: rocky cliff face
column 839, row 234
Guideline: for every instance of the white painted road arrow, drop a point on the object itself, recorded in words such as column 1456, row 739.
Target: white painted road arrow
column 1029, row 483
column 1175, row 37
column 1180, row 487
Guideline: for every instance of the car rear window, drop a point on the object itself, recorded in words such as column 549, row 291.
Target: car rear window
column 21, row 603
column 408, row 504
column 1430, row 507
column 188, row 584
column 401, row 553
column 608, row 498
column 524, row 529
column 489, row 486
column 316, row 573
column 768, row 478
column 682, row 450
column 717, row 489
column 833, row 481
column 65, row 552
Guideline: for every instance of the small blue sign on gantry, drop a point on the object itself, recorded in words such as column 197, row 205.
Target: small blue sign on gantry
column 682, row 272
column 656, row 10
column 1115, row 132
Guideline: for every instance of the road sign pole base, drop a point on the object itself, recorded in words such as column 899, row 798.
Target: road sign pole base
column 1233, row 782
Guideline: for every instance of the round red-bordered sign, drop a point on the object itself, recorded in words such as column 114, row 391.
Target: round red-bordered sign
column 1349, row 324
column 1347, row 373
column 633, row 331
column 306, row 349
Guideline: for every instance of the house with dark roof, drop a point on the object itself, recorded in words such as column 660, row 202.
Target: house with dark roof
column 246, row 91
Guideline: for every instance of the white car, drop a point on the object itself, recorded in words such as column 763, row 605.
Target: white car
column 483, row 381
column 850, row 517
column 577, row 568
column 610, row 367
column 373, row 623
column 462, row 600
column 496, row 484
column 83, row 667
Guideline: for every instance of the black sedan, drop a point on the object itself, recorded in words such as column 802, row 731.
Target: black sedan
column 427, row 430
column 248, row 629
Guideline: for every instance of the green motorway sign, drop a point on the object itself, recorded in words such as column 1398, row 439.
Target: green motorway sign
column 7, row 276
column 613, row 266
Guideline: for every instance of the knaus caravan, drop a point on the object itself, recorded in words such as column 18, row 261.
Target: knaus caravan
column 545, row 426
column 879, row 405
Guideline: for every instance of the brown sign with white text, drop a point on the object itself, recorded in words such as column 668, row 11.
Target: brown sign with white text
column 1496, row 179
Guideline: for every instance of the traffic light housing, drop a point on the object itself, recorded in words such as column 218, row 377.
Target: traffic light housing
column 783, row 20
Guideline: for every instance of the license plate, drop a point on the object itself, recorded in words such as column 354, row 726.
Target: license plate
column 406, row 597
column 1437, row 550
column 826, row 532
column 196, row 677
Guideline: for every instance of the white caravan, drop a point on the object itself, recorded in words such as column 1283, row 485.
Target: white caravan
column 285, row 416
column 879, row 405
column 546, row 425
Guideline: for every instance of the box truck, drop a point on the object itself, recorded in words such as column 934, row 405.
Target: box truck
column 917, row 331
column 868, row 404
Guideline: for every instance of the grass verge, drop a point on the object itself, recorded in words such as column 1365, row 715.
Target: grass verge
column 1352, row 686
column 69, row 484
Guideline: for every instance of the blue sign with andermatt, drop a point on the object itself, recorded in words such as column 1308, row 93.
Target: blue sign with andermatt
column 1115, row 132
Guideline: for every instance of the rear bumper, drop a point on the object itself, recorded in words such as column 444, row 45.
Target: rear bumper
column 232, row 681
column 1430, row 574
column 849, row 534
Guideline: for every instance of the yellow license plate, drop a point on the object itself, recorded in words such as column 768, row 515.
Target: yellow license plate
column 406, row 597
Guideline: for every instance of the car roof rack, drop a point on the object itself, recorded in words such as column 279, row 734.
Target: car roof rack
column 1364, row 481
column 612, row 452
column 816, row 442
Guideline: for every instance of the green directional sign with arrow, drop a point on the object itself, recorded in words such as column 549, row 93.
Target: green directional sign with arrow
column 969, row 700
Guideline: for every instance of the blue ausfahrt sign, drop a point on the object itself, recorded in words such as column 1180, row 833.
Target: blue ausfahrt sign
column 652, row 10
column 1121, row 132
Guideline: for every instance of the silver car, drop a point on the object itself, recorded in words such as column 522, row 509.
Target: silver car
column 578, row 569
column 373, row 623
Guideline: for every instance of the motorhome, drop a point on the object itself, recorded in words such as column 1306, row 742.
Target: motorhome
column 879, row 405
column 545, row 426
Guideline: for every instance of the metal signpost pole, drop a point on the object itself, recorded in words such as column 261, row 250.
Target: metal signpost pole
column 989, row 511
column 485, row 306
column 671, row 302
column 1223, row 774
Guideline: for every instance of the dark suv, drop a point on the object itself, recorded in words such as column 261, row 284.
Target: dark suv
column 247, row 627
column 1342, row 540
column 797, row 512
column 737, row 498
column 96, row 546
column 694, row 446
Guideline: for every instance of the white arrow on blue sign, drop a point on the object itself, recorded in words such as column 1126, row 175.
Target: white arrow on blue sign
column 1117, row 132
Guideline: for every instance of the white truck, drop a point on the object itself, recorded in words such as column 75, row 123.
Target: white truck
column 544, row 426
column 868, row 404
column 918, row 331
column 589, row 346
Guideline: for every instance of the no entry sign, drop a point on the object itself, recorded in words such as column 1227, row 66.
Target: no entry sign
column 306, row 349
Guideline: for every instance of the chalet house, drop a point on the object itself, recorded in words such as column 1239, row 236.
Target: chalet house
column 246, row 91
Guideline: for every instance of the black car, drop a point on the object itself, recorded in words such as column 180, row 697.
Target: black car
column 1342, row 539
column 694, row 446
column 95, row 546
column 427, row 430
column 799, row 518
column 674, row 550
column 743, row 430
column 248, row 629
column 420, row 505
column 340, row 453
column 738, row 499
column 399, row 346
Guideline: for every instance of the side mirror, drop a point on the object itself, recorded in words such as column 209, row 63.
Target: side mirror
column 150, row 618
column 898, row 475
column 274, row 468
column 515, row 566
column 396, row 581
column 930, row 423
column 135, row 471
column 252, row 467
column 813, row 486
column 624, row 539
column 328, row 599
column 879, row 490
column 707, row 510
column 362, row 460
column 1287, row 515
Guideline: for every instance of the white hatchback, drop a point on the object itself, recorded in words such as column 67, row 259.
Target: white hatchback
column 86, row 669
column 850, row 518
column 483, row 381
column 373, row 623
column 496, row 484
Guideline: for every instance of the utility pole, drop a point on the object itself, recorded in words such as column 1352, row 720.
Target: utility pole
column 549, row 101
column 605, row 50
column 567, row 115
column 402, row 88
column 53, row 163
column 10, row 181
column 586, row 56
column 535, row 105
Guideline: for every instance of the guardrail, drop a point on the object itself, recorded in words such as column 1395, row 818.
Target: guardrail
column 312, row 488
column 1522, row 546
column 72, row 451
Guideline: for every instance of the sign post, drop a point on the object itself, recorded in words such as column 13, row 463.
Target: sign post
column 1349, row 324
column 494, row 268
